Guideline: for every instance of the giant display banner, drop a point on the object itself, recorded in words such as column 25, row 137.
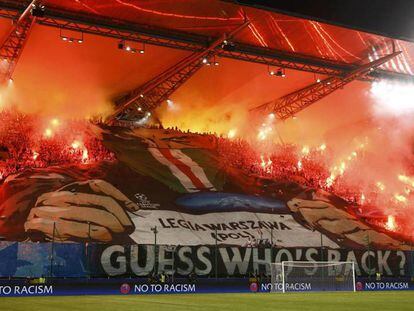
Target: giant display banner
column 117, row 260
column 174, row 182
column 101, row 260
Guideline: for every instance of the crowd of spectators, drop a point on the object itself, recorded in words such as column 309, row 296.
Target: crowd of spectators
column 27, row 142
column 288, row 162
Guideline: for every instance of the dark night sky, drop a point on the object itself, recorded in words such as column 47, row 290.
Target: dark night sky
column 391, row 18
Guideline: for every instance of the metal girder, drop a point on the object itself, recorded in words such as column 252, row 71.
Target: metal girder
column 150, row 95
column 290, row 104
column 285, row 60
column 191, row 42
column 7, row 13
column 122, row 33
column 12, row 47
column 105, row 27
column 197, row 43
column 305, row 63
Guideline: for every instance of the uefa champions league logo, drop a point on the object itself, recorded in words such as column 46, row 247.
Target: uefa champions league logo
column 254, row 287
column 125, row 288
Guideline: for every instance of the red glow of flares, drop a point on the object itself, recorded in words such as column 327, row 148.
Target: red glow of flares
column 72, row 142
column 76, row 144
column 232, row 133
column 266, row 164
column 55, row 122
column 400, row 198
column 48, row 133
column 30, row 144
column 391, row 225
column 310, row 166
column 85, row 155
column 35, row 155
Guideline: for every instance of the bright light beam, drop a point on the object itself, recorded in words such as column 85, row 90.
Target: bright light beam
column 393, row 98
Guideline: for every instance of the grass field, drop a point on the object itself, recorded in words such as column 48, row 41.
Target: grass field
column 366, row 301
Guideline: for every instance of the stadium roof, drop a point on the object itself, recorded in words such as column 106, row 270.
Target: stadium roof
column 392, row 19
column 196, row 20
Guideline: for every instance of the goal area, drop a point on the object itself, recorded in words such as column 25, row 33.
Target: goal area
column 294, row 276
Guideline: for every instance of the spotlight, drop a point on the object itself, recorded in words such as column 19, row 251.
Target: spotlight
column 280, row 73
column 139, row 109
column 169, row 102
column 318, row 80
column 216, row 63
column 38, row 11
column 228, row 46
column 71, row 39
column 148, row 114
column 205, row 60
column 142, row 49
column 141, row 95
column 329, row 82
column 129, row 48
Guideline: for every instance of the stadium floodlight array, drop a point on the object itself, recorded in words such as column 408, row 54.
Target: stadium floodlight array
column 289, row 276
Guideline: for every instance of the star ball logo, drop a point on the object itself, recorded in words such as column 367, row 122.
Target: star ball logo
column 359, row 286
column 125, row 288
column 254, row 287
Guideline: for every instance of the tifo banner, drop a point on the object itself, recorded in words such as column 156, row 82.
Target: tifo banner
column 173, row 183
column 117, row 260
column 226, row 228
column 100, row 260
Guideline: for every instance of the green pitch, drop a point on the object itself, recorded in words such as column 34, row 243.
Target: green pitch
column 377, row 301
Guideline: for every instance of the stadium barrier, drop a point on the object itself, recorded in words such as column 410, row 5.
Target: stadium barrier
column 131, row 286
